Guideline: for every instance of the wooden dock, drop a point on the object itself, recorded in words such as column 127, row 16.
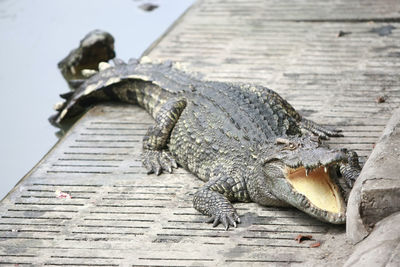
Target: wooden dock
column 88, row 202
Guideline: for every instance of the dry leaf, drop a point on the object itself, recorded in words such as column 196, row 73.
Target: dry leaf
column 315, row 245
column 301, row 238
column 380, row 99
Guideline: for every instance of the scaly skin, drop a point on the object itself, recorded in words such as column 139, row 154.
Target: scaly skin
column 242, row 140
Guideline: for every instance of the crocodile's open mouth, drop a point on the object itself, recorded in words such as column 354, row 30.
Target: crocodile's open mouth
column 317, row 186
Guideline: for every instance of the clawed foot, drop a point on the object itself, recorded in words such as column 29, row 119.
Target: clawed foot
column 352, row 169
column 227, row 218
column 157, row 161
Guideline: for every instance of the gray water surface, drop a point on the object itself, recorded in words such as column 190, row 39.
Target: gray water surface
column 34, row 36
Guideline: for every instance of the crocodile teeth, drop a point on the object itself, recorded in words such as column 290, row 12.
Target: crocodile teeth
column 87, row 73
column 307, row 171
column 325, row 169
column 104, row 66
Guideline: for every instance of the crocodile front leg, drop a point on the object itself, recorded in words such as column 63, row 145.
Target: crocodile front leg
column 156, row 157
column 215, row 197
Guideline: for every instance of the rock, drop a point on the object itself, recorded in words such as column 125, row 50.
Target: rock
column 381, row 247
column 376, row 193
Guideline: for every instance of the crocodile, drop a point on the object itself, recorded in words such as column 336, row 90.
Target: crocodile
column 245, row 141
column 95, row 47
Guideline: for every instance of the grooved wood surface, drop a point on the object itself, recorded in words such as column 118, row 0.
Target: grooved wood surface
column 119, row 216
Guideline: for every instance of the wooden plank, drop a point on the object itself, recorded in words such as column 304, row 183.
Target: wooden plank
column 115, row 204
column 119, row 216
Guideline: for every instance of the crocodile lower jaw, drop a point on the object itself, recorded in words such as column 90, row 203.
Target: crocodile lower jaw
column 317, row 187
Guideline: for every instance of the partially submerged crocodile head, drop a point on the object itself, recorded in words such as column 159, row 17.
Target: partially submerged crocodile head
column 304, row 174
column 97, row 46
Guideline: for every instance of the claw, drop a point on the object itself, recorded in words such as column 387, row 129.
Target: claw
column 224, row 222
column 211, row 219
column 147, row 166
column 231, row 221
column 166, row 162
column 158, row 161
column 174, row 164
column 216, row 221
column 149, row 170
column 157, row 170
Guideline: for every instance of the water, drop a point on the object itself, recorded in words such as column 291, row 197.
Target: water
column 34, row 36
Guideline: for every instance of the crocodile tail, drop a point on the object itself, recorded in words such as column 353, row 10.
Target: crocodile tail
column 67, row 96
column 52, row 119
column 74, row 105
column 95, row 89
column 115, row 83
column 75, row 84
column 70, row 109
column 60, row 106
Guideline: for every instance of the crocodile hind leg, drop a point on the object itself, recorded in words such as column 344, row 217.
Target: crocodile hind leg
column 215, row 197
column 156, row 158
column 321, row 131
